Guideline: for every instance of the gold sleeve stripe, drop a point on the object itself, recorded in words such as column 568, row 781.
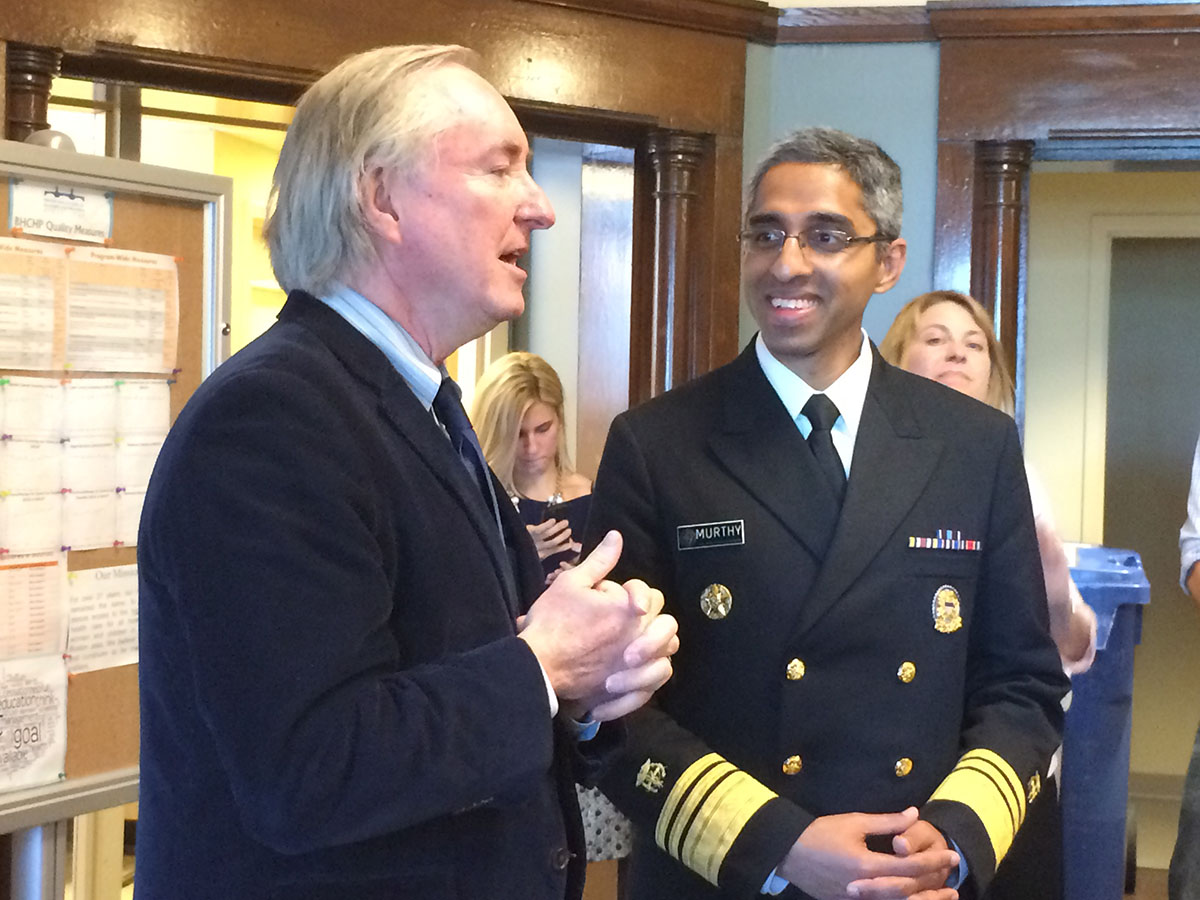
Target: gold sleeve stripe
column 679, row 791
column 986, row 783
column 705, row 811
column 726, row 812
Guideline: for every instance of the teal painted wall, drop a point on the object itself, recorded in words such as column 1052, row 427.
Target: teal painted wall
column 885, row 92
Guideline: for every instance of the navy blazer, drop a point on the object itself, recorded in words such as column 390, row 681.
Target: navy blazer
column 334, row 700
column 828, row 663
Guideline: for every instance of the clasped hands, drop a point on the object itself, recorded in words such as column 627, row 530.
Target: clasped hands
column 605, row 647
column 831, row 861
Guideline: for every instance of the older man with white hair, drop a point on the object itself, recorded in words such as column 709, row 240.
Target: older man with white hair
column 351, row 687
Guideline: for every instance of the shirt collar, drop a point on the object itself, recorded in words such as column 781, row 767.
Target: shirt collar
column 401, row 349
column 848, row 391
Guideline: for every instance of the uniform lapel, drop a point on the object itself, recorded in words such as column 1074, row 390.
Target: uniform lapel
column 892, row 464
column 761, row 447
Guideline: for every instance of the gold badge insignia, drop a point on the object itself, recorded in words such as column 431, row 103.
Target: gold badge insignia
column 716, row 601
column 947, row 610
column 651, row 776
column 1035, row 786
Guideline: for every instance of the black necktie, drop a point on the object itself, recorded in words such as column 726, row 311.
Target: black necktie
column 822, row 413
column 447, row 405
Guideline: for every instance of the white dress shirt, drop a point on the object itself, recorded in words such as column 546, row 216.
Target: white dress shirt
column 848, row 393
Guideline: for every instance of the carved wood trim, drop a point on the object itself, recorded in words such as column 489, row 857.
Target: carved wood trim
column 171, row 70
column 954, row 214
column 965, row 19
column 998, row 257
column 749, row 19
column 29, row 72
column 665, row 350
column 848, row 24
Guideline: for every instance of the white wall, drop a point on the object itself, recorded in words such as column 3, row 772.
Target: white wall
column 552, row 300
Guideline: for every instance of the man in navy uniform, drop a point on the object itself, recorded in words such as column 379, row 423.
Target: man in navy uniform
column 867, row 696
column 350, row 685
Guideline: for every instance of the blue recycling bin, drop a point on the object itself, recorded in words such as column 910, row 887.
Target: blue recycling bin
column 1095, row 769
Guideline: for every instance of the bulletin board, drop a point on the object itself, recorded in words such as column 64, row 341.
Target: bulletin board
column 185, row 216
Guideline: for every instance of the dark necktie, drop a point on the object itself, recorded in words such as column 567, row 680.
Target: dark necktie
column 447, row 405
column 822, row 413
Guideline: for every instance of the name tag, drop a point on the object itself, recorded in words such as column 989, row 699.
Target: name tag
column 711, row 534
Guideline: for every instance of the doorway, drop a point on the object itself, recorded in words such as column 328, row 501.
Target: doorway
column 1108, row 371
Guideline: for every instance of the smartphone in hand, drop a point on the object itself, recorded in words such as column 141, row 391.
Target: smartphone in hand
column 555, row 511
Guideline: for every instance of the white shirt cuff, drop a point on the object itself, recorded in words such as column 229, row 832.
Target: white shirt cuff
column 774, row 884
column 957, row 878
column 550, row 695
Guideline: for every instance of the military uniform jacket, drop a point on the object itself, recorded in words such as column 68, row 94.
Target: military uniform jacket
column 334, row 700
column 895, row 656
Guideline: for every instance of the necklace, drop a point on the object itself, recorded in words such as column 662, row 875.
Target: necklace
column 555, row 497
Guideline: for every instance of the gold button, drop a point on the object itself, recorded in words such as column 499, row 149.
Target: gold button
column 907, row 672
column 795, row 670
column 792, row 765
column 903, row 766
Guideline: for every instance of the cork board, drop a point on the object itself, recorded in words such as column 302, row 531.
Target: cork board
column 102, row 705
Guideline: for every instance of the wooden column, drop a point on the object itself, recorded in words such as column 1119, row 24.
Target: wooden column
column 954, row 216
column 30, row 70
column 998, row 248
column 663, row 349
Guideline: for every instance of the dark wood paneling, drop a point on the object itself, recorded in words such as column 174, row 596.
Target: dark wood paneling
column 29, row 73
column 676, row 158
column 530, row 50
column 718, row 224
column 736, row 18
column 970, row 18
column 173, row 70
column 1032, row 85
column 853, row 24
column 998, row 257
column 954, row 216
column 612, row 72
column 1093, row 82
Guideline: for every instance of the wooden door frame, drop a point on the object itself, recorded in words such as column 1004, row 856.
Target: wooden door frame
column 1031, row 81
column 655, row 75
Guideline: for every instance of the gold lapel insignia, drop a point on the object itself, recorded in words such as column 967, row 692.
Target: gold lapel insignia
column 947, row 610
column 1035, row 786
column 651, row 776
column 716, row 601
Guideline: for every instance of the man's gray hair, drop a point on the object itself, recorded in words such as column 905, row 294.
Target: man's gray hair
column 360, row 115
column 876, row 173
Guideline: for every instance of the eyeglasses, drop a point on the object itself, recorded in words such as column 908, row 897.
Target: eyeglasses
column 826, row 241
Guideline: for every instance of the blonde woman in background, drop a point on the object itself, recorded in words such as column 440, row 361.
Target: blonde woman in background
column 518, row 414
column 947, row 336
